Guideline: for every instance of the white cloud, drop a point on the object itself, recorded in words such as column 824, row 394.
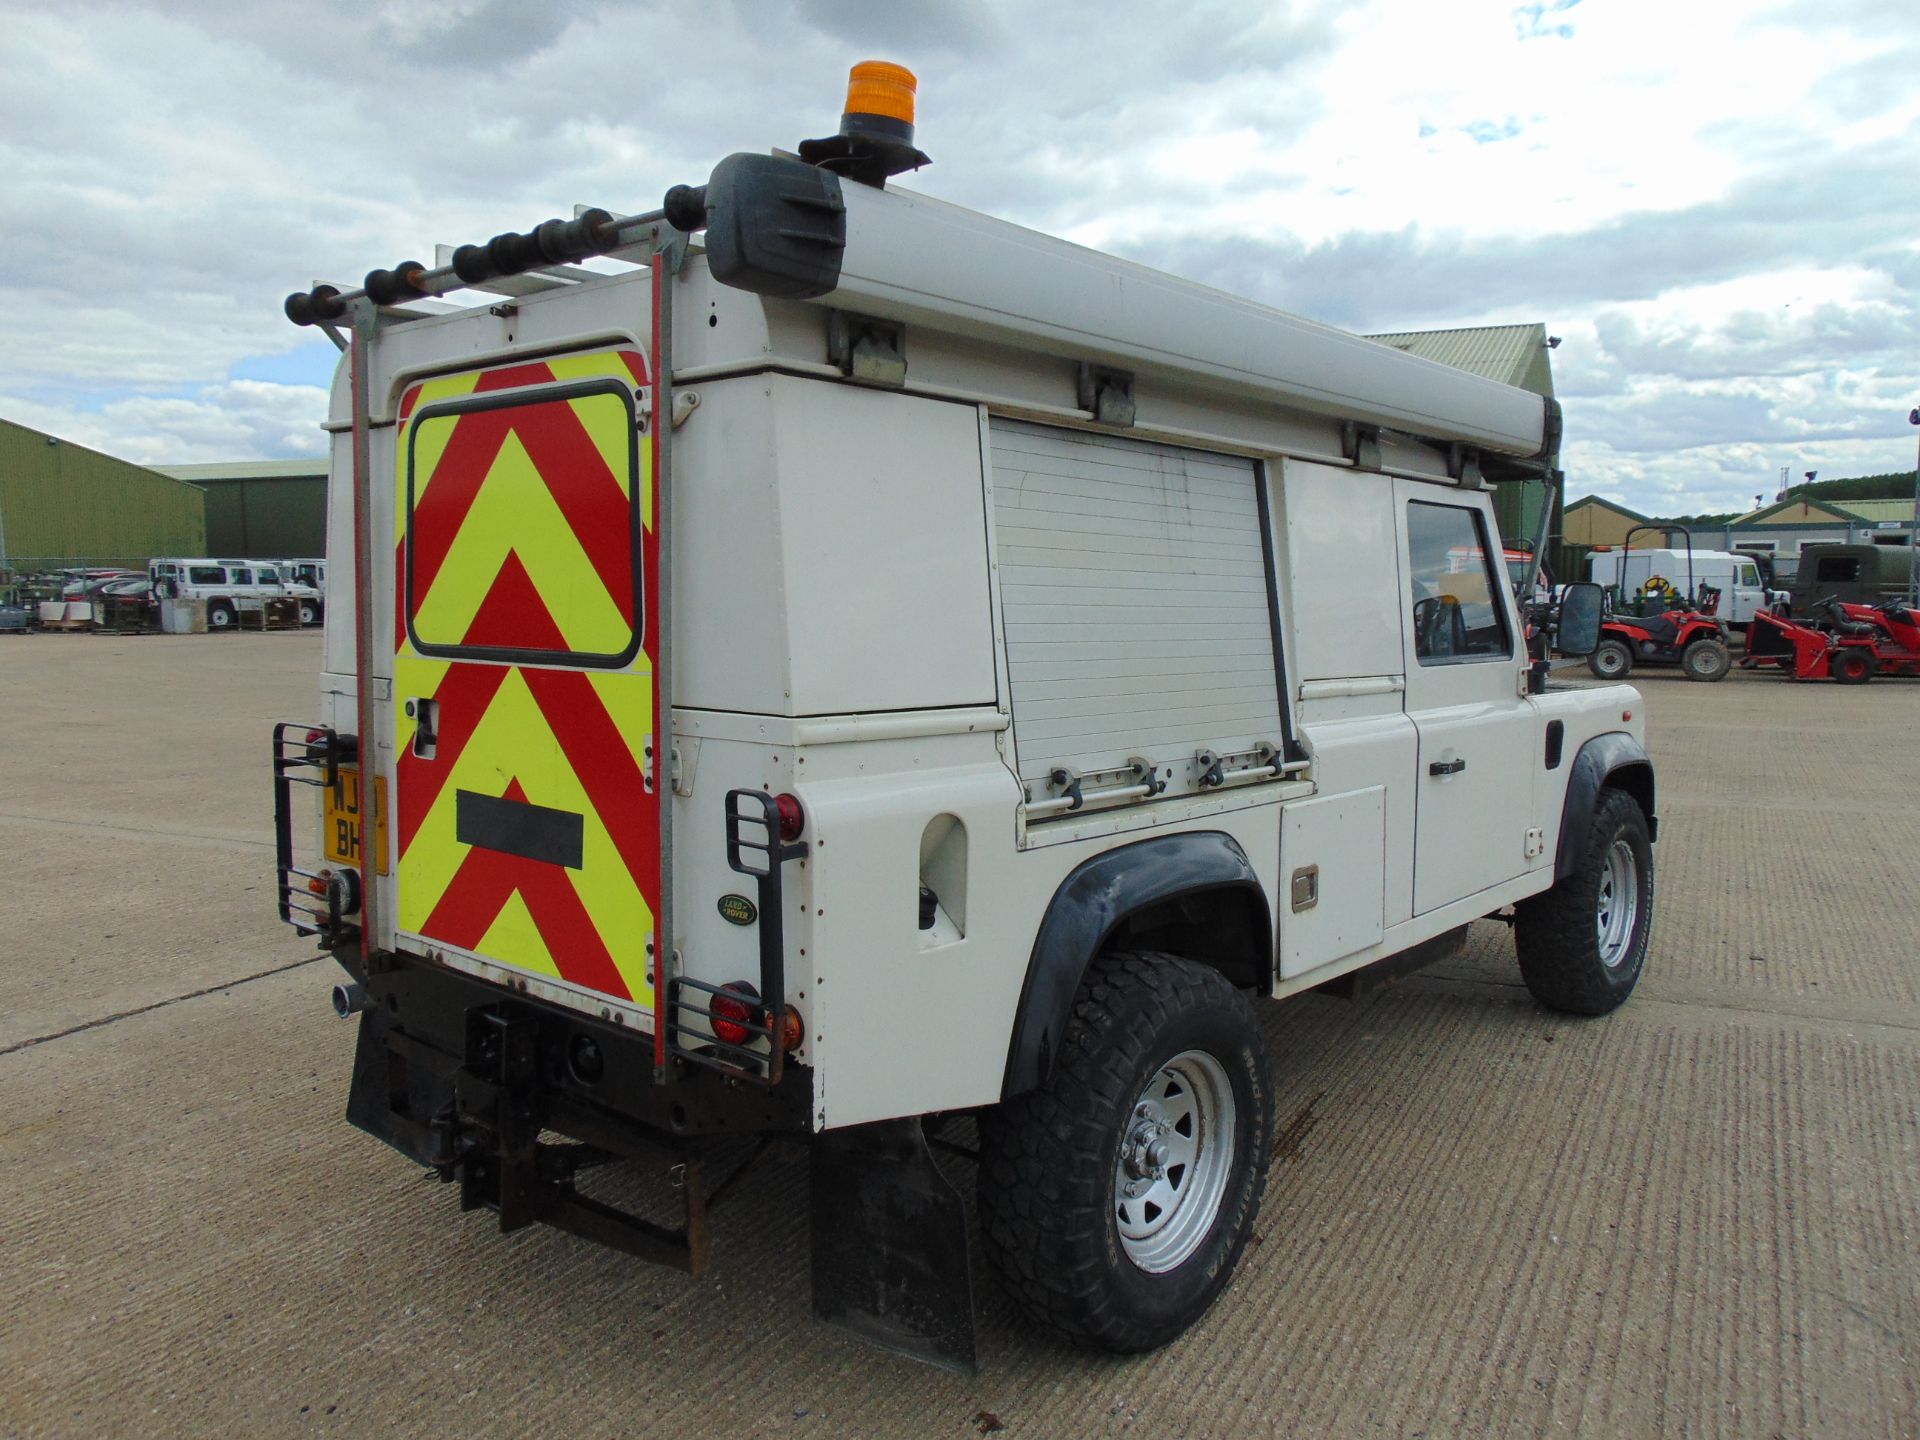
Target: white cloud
column 1714, row 205
column 237, row 419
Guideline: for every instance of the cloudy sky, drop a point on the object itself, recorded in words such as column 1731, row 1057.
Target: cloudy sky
column 1715, row 202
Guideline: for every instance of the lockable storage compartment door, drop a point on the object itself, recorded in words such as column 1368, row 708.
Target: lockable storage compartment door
column 527, row 821
column 1134, row 589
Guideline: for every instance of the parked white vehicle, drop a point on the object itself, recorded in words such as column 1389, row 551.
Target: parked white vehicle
column 879, row 667
column 296, row 584
column 230, row 587
column 311, row 573
column 1737, row 577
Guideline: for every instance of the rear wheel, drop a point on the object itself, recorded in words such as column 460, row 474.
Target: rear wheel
column 1115, row 1200
column 1583, row 943
column 1852, row 666
column 309, row 613
column 220, row 615
column 1706, row 660
column 1611, row 660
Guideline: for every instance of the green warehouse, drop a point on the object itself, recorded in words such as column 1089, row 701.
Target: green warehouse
column 262, row 509
column 63, row 504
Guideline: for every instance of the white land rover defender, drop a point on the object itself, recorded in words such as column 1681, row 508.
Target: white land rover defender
column 867, row 668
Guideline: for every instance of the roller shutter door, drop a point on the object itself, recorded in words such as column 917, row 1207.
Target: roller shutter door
column 1133, row 588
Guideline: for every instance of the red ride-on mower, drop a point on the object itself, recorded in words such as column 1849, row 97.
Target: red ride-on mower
column 1846, row 643
column 1692, row 639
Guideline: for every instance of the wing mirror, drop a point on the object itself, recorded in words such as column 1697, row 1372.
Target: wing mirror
column 1579, row 619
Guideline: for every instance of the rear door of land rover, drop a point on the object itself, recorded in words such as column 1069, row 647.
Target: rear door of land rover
column 526, row 821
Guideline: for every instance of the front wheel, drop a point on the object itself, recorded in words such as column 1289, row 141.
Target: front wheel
column 1583, row 943
column 220, row 616
column 1706, row 660
column 1611, row 660
column 1851, row 666
column 1115, row 1200
column 309, row 613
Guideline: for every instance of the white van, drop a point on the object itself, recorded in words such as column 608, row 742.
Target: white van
column 1736, row 577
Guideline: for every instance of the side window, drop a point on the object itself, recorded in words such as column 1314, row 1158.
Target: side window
column 1749, row 575
column 206, row 575
column 1456, row 610
column 1844, row 568
column 243, row 577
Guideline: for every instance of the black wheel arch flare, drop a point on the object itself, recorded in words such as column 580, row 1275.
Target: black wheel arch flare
column 1145, row 886
column 1614, row 761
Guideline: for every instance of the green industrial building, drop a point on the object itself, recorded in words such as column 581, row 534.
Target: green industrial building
column 62, row 504
column 262, row 509
column 1514, row 355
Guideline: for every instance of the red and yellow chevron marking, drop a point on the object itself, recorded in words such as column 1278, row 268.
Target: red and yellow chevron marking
column 522, row 539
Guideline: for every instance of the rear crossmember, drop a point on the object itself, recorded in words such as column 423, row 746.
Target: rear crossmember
column 471, row 1084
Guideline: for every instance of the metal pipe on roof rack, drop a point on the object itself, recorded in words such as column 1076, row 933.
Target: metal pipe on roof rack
column 593, row 232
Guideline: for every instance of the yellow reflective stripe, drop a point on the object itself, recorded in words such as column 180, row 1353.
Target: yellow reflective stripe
column 513, row 932
column 514, row 513
column 430, row 445
column 514, row 742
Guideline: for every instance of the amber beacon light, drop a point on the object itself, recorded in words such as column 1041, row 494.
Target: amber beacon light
column 876, row 129
column 877, row 89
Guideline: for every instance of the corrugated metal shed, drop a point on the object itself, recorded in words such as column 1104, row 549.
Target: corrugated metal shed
column 262, row 509
column 1513, row 355
column 63, row 504
column 1877, row 512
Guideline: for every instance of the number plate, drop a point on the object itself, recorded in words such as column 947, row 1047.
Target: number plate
column 340, row 820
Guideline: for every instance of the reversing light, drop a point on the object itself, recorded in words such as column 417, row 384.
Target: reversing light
column 733, row 1010
column 792, row 818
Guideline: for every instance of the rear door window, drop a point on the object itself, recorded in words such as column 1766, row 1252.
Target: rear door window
column 523, row 527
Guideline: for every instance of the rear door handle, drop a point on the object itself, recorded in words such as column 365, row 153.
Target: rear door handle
column 1446, row 767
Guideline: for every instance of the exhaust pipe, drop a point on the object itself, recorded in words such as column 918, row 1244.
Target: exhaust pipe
column 350, row 999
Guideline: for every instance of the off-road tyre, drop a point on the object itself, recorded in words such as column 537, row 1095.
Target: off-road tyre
column 222, row 616
column 1611, row 660
column 1851, row 666
column 1706, row 660
column 1051, row 1160
column 309, row 613
column 1561, row 935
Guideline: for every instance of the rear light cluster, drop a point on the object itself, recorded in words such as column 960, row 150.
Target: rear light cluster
column 737, row 1006
column 792, row 818
column 344, row 884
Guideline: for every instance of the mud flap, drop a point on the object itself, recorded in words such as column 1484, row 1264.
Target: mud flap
column 891, row 1257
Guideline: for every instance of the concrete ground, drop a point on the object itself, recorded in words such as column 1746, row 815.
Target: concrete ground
column 1698, row 1216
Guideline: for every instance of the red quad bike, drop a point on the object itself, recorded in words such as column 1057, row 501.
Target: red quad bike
column 1846, row 643
column 1692, row 639
column 1688, row 635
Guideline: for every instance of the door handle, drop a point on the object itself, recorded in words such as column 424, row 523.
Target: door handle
column 426, row 726
column 1446, row 767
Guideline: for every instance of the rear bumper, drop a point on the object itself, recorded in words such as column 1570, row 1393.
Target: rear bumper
column 473, row 1080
